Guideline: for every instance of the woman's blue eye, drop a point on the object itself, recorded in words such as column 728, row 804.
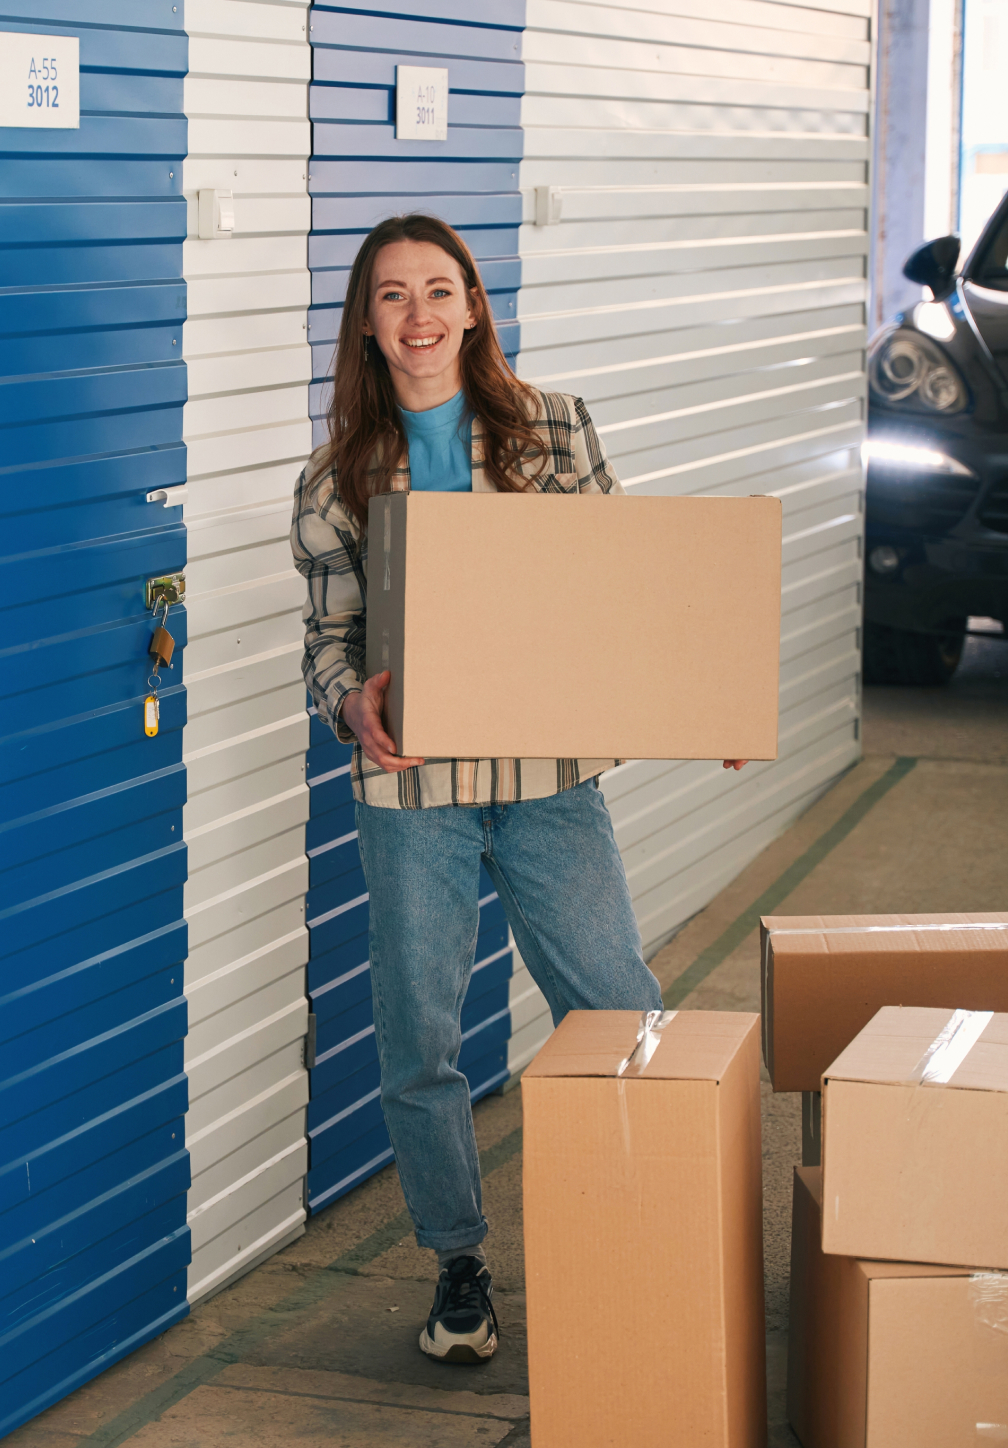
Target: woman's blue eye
column 440, row 292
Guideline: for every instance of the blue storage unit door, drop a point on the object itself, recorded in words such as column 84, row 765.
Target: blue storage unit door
column 93, row 1171
column 359, row 174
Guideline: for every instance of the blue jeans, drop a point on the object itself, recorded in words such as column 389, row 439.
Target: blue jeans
column 557, row 870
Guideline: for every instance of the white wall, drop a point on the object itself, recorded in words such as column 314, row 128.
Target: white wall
column 247, row 431
column 705, row 293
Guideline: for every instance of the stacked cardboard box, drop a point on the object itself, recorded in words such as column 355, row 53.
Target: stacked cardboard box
column 644, row 1232
column 823, row 977
column 899, row 1258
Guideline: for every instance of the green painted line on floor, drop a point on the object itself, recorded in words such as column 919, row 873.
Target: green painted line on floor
column 238, row 1345
column 730, row 939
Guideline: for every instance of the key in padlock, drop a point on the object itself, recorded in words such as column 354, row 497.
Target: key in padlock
column 162, row 646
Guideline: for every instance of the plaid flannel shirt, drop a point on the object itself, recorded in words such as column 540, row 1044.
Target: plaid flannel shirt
column 332, row 555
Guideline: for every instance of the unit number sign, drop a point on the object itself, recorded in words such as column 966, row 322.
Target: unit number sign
column 39, row 80
column 421, row 104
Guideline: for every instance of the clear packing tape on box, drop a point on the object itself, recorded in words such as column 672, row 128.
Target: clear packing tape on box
column 988, row 1290
column 652, row 1023
column 950, row 1047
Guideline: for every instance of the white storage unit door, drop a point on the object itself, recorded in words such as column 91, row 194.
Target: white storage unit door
column 247, row 431
column 704, row 291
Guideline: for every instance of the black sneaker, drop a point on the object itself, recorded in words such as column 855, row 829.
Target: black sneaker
column 462, row 1327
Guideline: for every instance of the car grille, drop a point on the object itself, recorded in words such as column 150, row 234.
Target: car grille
column 993, row 512
column 915, row 500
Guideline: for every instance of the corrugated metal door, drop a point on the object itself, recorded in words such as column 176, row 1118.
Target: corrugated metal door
column 93, row 1168
column 248, row 434
column 704, row 291
column 359, row 174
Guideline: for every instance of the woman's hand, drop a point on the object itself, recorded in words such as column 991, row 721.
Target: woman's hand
column 363, row 714
column 733, row 763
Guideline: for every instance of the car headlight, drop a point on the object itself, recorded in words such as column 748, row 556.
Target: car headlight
column 907, row 367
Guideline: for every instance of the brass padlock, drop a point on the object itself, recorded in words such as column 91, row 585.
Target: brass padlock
column 162, row 646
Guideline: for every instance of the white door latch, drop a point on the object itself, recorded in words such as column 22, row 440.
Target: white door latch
column 216, row 215
column 171, row 497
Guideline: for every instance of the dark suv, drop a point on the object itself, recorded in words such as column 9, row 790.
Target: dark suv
column 936, row 526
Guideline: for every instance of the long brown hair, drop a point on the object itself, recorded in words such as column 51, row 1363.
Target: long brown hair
column 366, row 435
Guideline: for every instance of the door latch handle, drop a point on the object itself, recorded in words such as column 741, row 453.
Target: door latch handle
column 171, row 497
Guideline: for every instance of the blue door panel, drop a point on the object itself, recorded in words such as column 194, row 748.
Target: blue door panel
column 378, row 141
column 106, row 980
column 64, row 745
column 50, row 1082
column 341, row 991
column 333, row 857
column 356, row 104
column 152, row 1313
column 377, row 68
column 74, row 1248
column 62, row 1026
column 323, row 899
column 122, row 1309
column 353, row 215
column 51, row 224
column 125, row 1332
column 501, row 12
column 427, row 36
column 82, row 176
column 123, row 347
column 103, row 137
column 106, row 90
column 117, row 658
column 105, row 851
column 31, row 264
column 93, row 898
column 93, row 1167
column 329, row 969
column 341, row 1133
column 94, row 1141
column 342, row 1105
column 99, row 816
column 102, row 309
column 346, row 1169
column 26, row 1341
column 115, row 395
column 95, row 938
column 102, row 577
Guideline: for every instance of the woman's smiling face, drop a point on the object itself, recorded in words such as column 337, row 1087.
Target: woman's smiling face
column 418, row 314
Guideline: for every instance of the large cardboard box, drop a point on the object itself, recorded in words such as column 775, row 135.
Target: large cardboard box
column 915, row 1140
column 891, row 1354
column 546, row 626
column 825, row 976
column 644, row 1233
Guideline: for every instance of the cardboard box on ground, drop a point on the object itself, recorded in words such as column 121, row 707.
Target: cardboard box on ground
column 824, row 977
column 547, row 626
column 915, row 1140
column 888, row 1354
column 643, row 1233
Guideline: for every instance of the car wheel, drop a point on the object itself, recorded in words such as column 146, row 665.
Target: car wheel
column 897, row 656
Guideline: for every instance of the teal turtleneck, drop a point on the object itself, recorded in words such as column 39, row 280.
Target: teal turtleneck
column 440, row 447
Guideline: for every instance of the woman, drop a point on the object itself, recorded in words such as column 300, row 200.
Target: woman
column 423, row 398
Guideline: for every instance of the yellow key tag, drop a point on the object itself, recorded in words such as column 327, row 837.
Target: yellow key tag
column 152, row 710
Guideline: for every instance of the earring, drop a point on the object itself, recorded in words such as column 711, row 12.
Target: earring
column 366, row 340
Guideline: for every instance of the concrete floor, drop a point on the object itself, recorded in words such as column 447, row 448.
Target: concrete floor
column 319, row 1345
